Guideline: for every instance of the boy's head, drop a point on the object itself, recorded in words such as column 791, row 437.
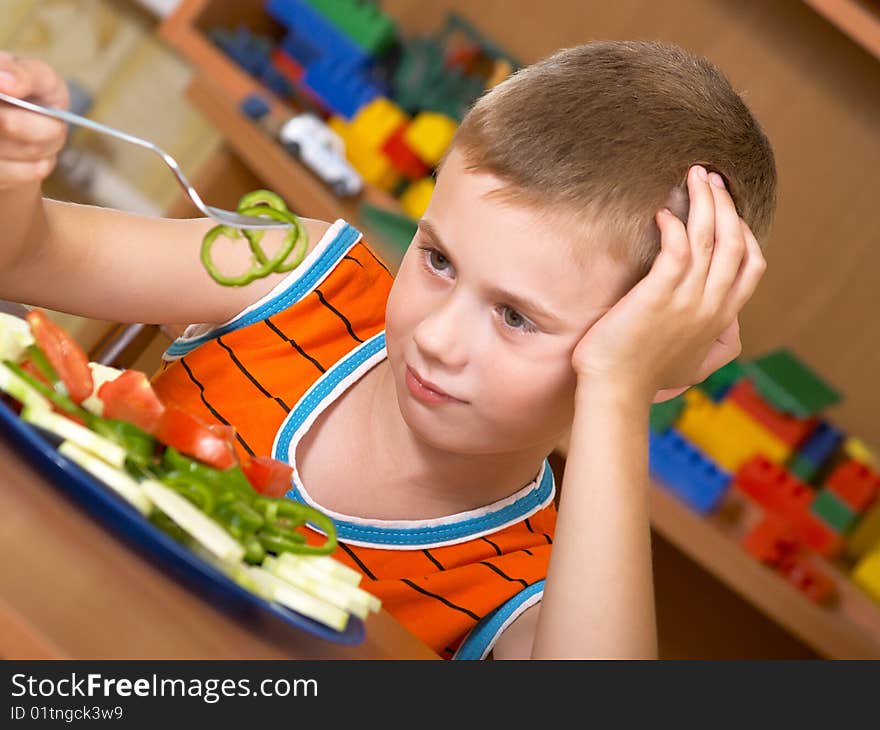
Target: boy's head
column 548, row 192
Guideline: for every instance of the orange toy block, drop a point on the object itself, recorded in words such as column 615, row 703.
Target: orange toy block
column 789, row 429
column 773, row 541
column 855, row 483
column 808, row 579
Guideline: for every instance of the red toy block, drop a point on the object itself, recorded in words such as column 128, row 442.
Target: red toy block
column 855, row 483
column 808, row 579
column 789, row 429
column 780, row 492
column 405, row 161
column 772, row 541
column 287, row 66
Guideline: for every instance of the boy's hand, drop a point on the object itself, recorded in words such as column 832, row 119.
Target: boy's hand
column 679, row 324
column 29, row 142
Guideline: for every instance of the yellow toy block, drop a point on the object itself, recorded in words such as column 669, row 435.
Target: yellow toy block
column 857, row 449
column 376, row 122
column 726, row 433
column 866, row 535
column 416, row 197
column 429, row 135
column 373, row 166
column 866, row 574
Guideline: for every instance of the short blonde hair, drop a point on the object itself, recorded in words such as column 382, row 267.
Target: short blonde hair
column 600, row 136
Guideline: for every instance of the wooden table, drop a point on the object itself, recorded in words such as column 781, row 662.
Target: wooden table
column 69, row 588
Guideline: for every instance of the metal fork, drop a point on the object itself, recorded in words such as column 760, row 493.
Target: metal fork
column 226, row 217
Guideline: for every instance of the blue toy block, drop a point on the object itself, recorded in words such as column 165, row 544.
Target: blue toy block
column 306, row 22
column 301, row 49
column 821, row 444
column 249, row 51
column 254, row 106
column 276, row 81
column 341, row 87
column 686, row 471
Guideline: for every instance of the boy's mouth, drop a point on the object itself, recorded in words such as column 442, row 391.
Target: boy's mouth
column 426, row 389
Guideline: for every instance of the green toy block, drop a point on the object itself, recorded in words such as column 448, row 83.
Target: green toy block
column 664, row 414
column 802, row 468
column 396, row 229
column 789, row 385
column 719, row 381
column 833, row 511
column 363, row 22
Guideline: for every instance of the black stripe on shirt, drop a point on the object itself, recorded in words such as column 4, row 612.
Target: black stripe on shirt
column 211, row 408
column 433, row 559
column 377, row 260
column 357, row 560
column 494, row 546
column 544, row 534
column 250, row 377
column 293, row 342
column 352, row 258
column 442, row 600
column 504, row 575
column 338, row 314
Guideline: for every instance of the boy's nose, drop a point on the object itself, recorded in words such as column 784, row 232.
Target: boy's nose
column 440, row 337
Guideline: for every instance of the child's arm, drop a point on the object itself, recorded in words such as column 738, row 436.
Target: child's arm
column 675, row 327
column 93, row 261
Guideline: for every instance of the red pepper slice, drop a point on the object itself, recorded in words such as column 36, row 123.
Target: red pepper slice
column 267, row 476
column 130, row 397
column 190, row 436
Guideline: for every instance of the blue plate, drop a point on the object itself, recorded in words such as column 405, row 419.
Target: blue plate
column 159, row 548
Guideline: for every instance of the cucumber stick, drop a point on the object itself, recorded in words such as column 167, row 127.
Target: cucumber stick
column 324, row 564
column 15, row 337
column 195, row 522
column 276, row 589
column 83, row 437
column 100, row 374
column 116, row 479
column 13, row 385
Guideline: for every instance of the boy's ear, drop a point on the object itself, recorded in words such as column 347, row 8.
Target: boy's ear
column 679, row 202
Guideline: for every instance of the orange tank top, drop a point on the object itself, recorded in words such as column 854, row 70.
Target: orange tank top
column 456, row 582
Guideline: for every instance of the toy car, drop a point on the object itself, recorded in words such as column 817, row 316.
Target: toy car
column 310, row 140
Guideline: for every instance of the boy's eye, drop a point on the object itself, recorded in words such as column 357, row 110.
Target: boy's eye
column 515, row 321
column 438, row 260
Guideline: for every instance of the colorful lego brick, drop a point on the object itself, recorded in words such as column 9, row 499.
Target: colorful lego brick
column 687, row 472
column 405, row 161
column 778, row 491
column 866, row 534
column 719, row 382
column 859, row 450
column 789, row 385
column 728, row 434
column 663, row 415
column 364, row 23
column 305, row 22
column 374, row 167
column 254, row 107
column 416, row 197
column 802, row 468
column 855, row 483
column 293, row 71
column 789, row 429
column 375, row 122
column 773, row 541
column 341, row 86
column 833, row 511
column 809, row 580
column 866, row 574
column 816, row 450
column 429, row 136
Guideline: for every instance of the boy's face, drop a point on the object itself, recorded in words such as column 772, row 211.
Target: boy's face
column 507, row 365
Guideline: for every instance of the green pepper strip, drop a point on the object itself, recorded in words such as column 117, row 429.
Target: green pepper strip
column 300, row 514
column 64, row 402
column 39, row 359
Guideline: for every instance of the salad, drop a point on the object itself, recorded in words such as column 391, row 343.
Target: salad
column 182, row 474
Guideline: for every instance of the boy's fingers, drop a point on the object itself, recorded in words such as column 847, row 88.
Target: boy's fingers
column 18, row 173
column 730, row 247
column 751, row 270
column 32, row 78
column 700, row 225
column 672, row 262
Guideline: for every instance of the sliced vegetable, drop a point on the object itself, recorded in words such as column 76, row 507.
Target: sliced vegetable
column 130, row 397
column 195, row 522
column 268, row 476
column 118, row 480
column 277, row 589
column 100, row 374
column 15, row 337
column 189, row 435
column 22, row 390
column 83, row 437
column 63, row 353
column 325, row 564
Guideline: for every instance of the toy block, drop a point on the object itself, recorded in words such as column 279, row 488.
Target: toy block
column 789, row 429
column 780, row 492
column 685, row 471
column 364, row 23
column 376, row 121
column 857, row 449
column 866, row 534
column 728, row 434
column 773, row 541
column 855, row 483
column 808, row 579
column 719, row 382
column 402, row 157
column 254, row 107
column 789, row 385
column 815, row 451
column 833, row 511
column 416, row 197
column 802, row 468
column 306, row 23
column 429, row 136
column 663, row 415
column 373, row 166
column 341, row 86
column 292, row 70
column 866, row 574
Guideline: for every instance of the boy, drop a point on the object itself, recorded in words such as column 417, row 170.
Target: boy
column 544, row 290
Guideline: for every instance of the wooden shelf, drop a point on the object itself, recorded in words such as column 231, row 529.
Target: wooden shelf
column 858, row 19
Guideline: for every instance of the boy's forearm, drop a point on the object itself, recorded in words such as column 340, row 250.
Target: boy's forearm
column 24, row 225
column 599, row 601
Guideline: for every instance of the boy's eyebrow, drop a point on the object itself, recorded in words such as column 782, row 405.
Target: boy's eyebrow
column 528, row 306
